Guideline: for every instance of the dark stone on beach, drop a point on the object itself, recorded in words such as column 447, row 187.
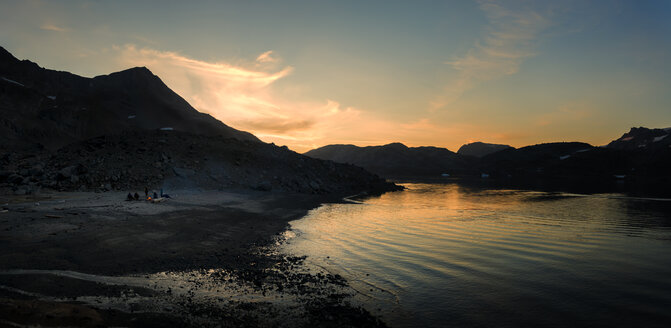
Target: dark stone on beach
column 4, row 175
column 264, row 186
column 14, row 178
column 65, row 173
column 21, row 191
column 37, row 171
column 183, row 173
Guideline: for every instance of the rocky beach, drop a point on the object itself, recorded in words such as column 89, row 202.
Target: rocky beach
column 196, row 259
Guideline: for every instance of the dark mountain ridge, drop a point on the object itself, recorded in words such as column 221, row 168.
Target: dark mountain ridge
column 54, row 108
column 480, row 149
column 397, row 160
column 638, row 161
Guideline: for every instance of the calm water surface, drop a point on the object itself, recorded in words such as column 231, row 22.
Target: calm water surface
column 440, row 255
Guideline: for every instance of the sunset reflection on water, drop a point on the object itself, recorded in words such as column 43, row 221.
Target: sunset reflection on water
column 446, row 254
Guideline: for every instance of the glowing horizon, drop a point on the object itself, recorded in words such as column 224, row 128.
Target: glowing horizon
column 311, row 74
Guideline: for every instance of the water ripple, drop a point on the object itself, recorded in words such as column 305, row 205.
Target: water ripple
column 441, row 255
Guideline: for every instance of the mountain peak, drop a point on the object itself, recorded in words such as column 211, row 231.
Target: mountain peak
column 642, row 138
column 135, row 71
column 133, row 99
column 396, row 145
column 480, row 149
column 6, row 56
column 139, row 69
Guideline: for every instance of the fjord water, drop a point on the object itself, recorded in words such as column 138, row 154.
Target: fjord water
column 442, row 255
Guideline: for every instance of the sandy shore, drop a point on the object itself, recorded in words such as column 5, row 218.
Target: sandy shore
column 197, row 259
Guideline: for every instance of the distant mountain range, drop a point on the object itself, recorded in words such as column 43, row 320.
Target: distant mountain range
column 395, row 159
column 54, row 108
column 641, row 154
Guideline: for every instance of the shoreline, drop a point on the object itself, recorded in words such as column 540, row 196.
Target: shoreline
column 198, row 259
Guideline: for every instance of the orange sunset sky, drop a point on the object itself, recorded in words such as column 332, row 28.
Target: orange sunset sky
column 443, row 73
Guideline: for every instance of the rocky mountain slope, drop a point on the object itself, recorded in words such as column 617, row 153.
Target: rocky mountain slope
column 480, row 149
column 642, row 139
column 181, row 160
column 50, row 108
column 128, row 130
column 397, row 160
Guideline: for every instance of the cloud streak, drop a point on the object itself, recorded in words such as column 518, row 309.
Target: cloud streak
column 266, row 57
column 228, row 92
column 53, row 28
column 509, row 39
column 244, row 97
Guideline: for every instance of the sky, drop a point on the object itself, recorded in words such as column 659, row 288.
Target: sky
column 425, row 73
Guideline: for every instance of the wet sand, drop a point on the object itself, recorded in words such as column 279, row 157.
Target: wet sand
column 197, row 259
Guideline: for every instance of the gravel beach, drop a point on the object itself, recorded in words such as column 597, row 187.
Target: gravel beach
column 200, row 258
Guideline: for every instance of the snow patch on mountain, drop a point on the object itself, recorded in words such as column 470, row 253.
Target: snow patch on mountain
column 12, row 81
column 659, row 138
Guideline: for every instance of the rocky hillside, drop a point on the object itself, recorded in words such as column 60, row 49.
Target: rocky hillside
column 397, row 160
column 177, row 160
column 480, row 149
column 47, row 108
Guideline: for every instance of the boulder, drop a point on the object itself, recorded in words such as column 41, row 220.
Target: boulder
column 65, row 173
column 37, row 171
column 21, row 191
column 4, row 175
column 264, row 186
column 182, row 172
column 14, row 178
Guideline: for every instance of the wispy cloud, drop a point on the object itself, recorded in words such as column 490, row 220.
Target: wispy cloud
column 54, row 28
column 266, row 57
column 245, row 98
column 229, row 92
column 510, row 37
column 566, row 114
column 270, row 125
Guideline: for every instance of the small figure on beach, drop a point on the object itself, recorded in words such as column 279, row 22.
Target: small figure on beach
column 136, row 196
column 155, row 195
column 129, row 197
column 146, row 192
